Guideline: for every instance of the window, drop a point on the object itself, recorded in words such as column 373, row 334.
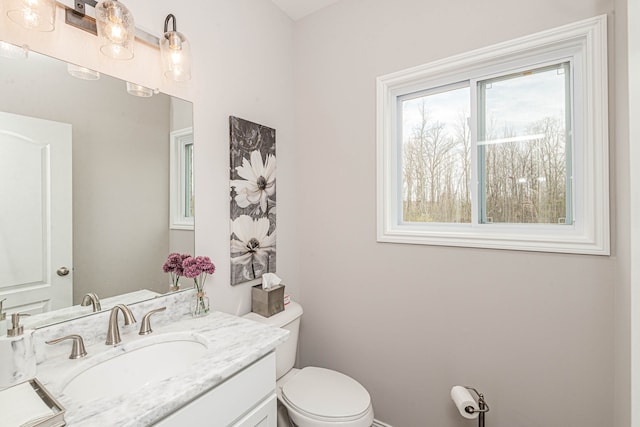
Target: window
column 505, row 147
column 435, row 147
column 524, row 147
column 181, row 178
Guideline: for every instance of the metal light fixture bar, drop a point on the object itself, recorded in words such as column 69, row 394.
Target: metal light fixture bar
column 77, row 17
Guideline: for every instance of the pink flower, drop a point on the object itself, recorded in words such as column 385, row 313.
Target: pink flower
column 173, row 265
column 197, row 269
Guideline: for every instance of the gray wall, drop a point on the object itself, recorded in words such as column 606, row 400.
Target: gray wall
column 533, row 331
column 120, row 172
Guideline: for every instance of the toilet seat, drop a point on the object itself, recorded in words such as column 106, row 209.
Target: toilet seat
column 325, row 396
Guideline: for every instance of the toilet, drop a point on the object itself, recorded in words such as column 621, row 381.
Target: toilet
column 313, row 397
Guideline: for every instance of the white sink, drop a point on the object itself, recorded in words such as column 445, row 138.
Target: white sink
column 135, row 368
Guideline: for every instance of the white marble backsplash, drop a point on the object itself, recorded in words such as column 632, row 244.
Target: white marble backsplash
column 76, row 311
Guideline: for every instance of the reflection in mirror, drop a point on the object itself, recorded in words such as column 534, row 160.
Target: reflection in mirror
column 85, row 204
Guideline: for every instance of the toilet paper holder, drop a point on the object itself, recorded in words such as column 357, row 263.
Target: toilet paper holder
column 483, row 408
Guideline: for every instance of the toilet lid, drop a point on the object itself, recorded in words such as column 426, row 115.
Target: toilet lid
column 326, row 394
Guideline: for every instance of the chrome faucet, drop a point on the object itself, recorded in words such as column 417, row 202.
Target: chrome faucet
column 113, row 334
column 91, row 298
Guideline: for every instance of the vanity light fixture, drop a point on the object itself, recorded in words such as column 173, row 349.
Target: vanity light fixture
column 116, row 29
column 176, row 52
column 82, row 73
column 39, row 15
column 114, row 25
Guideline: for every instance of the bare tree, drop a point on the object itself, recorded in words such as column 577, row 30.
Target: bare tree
column 525, row 181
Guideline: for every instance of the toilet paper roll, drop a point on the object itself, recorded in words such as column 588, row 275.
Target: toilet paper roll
column 463, row 399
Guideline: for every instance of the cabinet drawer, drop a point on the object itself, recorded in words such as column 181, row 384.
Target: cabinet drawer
column 263, row 415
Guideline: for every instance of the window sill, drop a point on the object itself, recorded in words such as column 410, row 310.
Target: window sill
column 537, row 238
column 182, row 226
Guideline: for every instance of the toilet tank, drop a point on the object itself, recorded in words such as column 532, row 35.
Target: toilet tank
column 288, row 319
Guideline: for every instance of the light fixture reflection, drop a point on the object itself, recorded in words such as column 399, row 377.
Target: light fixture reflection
column 36, row 15
column 116, row 29
column 82, row 72
column 8, row 50
column 137, row 90
column 176, row 53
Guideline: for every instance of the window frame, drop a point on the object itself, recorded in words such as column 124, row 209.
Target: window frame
column 583, row 44
column 178, row 141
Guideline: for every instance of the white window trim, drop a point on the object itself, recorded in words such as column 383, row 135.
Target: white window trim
column 178, row 139
column 585, row 43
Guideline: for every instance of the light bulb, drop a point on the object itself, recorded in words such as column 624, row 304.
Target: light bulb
column 116, row 33
column 36, row 15
column 176, row 57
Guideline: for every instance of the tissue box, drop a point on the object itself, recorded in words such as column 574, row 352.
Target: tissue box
column 267, row 302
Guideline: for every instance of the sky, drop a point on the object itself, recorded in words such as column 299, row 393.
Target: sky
column 513, row 102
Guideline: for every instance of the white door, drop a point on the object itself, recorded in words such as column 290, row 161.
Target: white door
column 35, row 214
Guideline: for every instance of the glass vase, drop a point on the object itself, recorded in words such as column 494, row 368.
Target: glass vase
column 200, row 304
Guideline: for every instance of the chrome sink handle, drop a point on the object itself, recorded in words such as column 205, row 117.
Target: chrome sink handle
column 113, row 334
column 145, row 328
column 77, row 351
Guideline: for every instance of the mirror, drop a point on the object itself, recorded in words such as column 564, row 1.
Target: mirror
column 120, row 179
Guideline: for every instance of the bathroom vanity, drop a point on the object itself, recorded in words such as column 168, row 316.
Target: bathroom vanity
column 216, row 370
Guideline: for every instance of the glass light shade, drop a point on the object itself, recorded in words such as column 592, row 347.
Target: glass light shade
column 39, row 15
column 137, row 90
column 82, row 72
column 8, row 50
column 176, row 56
column 116, row 29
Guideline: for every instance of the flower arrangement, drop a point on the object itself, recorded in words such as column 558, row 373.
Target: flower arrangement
column 173, row 266
column 197, row 268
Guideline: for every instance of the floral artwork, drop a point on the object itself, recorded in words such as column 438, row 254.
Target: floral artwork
column 253, row 200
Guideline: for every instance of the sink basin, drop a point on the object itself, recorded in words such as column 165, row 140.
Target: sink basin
column 134, row 369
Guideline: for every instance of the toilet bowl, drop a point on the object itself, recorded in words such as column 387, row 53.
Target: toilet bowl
column 313, row 396
column 318, row 397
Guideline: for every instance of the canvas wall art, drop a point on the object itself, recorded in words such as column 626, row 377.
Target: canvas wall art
column 253, row 200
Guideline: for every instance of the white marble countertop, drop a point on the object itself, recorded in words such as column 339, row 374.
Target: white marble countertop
column 233, row 344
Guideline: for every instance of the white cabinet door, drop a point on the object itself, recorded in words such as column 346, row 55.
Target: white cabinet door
column 263, row 415
column 35, row 213
column 248, row 395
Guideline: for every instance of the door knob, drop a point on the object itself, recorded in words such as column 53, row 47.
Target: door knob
column 62, row 271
